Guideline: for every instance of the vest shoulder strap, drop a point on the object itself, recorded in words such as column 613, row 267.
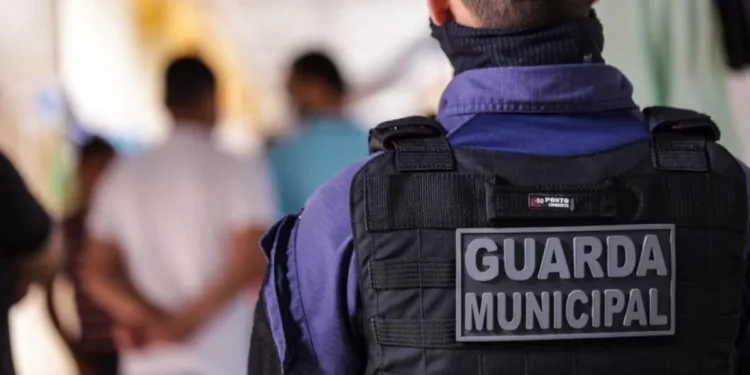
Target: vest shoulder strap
column 420, row 144
column 679, row 139
column 682, row 121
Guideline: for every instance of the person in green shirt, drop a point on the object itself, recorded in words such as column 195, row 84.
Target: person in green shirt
column 325, row 140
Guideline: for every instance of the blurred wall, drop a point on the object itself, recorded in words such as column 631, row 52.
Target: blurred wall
column 113, row 57
column 739, row 85
column 31, row 129
column 111, row 87
column 383, row 47
column 672, row 51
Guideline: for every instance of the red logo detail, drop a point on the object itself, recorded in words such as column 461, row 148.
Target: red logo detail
column 536, row 202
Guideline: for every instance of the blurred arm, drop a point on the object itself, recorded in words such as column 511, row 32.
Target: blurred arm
column 104, row 278
column 103, row 270
column 42, row 266
column 245, row 266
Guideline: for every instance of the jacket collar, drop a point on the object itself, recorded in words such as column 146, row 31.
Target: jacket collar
column 551, row 89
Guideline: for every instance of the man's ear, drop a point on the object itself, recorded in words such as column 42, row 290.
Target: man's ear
column 440, row 11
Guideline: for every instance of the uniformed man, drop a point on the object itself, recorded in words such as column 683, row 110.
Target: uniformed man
column 543, row 224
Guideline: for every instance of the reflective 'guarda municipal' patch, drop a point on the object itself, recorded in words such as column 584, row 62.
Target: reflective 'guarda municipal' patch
column 525, row 284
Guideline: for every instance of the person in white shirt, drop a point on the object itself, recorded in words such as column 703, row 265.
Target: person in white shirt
column 173, row 243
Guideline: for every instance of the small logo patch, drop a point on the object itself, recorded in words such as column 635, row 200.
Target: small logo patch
column 551, row 202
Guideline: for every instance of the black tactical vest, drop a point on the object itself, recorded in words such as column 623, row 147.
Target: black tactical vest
column 630, row 261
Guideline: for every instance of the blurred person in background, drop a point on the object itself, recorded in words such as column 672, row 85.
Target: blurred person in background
column 31, row 253
column 173, row 242
column 96, row 343
column 325, row 140
column 535, row 131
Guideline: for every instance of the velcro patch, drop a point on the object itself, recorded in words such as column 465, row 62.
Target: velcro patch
column 525, row 284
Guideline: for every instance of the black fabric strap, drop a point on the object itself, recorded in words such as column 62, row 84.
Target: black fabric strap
column 435, row 334
column 680, row 138
column 424, row 200
column 423, row 154
column 420, row 144
column 451, row 201
column 421, row 273
column 513, row 202
column 444, row 201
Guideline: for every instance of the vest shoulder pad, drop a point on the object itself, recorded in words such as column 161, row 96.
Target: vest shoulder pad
column 681, row 121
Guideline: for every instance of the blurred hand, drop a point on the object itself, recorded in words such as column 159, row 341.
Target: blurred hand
column 139, row 315
column 176, row 330
column 134, row 322
column 128, row 339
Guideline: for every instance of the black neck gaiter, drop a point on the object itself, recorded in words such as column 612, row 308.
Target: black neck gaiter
column 576, row 41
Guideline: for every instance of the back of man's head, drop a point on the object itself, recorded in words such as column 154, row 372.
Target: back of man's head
column 526, row 13
column 320, row 67
column 93, row 159
column 95, row 147
column 190, row 89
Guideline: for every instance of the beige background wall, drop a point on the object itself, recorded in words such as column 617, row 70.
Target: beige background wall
column 739, row 85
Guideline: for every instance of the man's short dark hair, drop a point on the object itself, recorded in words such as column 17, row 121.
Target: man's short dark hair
column 526, row 13
column 95, row 147
column 188, row 81
column 319, row 65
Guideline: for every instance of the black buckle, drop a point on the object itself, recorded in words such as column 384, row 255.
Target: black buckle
column 383, row 136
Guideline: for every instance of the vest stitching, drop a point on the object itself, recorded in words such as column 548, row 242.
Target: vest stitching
column 710, row 283
column 421, row 300
column 314, row 359
column 377, row 299
column 527, row 107
column 526, row 362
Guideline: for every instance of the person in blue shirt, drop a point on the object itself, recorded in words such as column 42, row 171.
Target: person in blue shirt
column 530, row 80
column 325, row 141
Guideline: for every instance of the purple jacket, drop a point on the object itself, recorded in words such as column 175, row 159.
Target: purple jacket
column 547, row 110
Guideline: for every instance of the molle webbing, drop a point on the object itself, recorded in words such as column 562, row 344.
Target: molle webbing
column 449, row 201
column 441, row 333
